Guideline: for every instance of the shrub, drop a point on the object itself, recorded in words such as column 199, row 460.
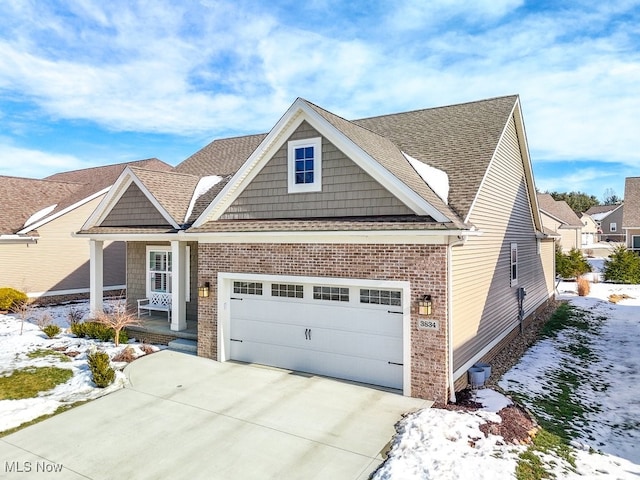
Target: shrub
column 10, row 298
column 572, row 264
column 117, row 320
column 102, row 373
column 51, row 330
column 583, row 287
column 98, row 331
column 623, row 266
column 74, row 316
column 126, row 355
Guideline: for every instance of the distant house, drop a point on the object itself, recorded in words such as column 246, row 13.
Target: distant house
column 631, row 214
column 589, row 230
column 558, row 217
column 395, row 250
column 38, row 254
column 609, row 221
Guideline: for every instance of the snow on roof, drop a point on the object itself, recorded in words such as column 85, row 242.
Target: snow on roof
column 437, row 179
column 204, row 185
column 40, row 214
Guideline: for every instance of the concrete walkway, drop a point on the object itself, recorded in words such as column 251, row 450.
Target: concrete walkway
column 185, row 417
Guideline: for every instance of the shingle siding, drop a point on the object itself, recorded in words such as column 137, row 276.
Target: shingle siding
column 347, row 190
column 134, row 210
column 484, row 302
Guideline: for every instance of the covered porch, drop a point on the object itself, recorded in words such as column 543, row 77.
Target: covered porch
column 155, row 269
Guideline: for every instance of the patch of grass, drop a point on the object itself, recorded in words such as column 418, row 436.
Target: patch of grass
column 532, row 467
column 45, row 352
column 28, row 382
column 60, row 409
column 565, row 316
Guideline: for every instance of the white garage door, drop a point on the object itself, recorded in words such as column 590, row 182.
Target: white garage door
column 346, row 332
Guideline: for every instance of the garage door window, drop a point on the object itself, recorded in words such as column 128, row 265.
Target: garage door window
column 285, row 290
column 336, row 294
column 248, row 288
column 381, row 297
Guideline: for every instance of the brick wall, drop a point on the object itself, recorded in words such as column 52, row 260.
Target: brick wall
column 424, row 266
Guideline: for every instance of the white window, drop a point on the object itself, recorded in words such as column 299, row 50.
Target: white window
column 613, row 227
column 247, row 288
column 514, row 264
column 159, row 270
column 305, row 165
column 287, row 290
column 381, row 297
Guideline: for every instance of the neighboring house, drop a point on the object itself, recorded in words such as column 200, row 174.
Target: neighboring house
column 558, row 217
column 609, row 221
column 38, row 254
column 631, row 214
column 392, row 250
column 589, row 230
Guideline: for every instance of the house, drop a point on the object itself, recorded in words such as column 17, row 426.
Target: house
column 396, row 250
column 589, row 230
column 558, row 217
column 37, row 218
column 631, row 213
column 609, row 221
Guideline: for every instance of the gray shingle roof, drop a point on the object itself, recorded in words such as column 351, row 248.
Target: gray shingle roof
column 631, row 210
column 221, row 157
column 23, row 197
column 559, row 209
column 459, row 139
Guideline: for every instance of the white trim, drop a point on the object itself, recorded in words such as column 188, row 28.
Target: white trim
column 18, row 239
column 116, row 191
column 64, row 211
column 186, row 273
column 225, row 280
column 286, row 126
column 73, row 291
column 316, row 185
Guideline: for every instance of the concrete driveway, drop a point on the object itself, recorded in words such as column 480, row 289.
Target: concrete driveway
column 185, row 417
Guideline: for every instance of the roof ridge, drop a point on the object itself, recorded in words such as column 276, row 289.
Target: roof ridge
column 171, row 172
column 66, row 172
column 460, row 104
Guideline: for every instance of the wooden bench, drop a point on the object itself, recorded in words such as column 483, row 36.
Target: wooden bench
column 160, row 302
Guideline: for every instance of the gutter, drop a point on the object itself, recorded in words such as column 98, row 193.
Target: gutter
column 18, row 239
column 452, row 243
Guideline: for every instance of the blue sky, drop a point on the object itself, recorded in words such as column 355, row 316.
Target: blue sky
column 85, row 83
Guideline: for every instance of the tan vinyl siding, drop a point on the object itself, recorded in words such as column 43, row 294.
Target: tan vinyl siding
column 59, row 262
column 137, row 275
column 347, row 190
column 484, row 302
column 134, row 210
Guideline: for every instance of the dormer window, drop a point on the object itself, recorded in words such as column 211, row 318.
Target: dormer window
column 305, row 165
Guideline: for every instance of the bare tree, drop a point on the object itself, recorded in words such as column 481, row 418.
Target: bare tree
column 119, row 318
column 24, row 309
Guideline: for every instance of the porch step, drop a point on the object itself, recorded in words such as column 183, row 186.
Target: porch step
column 183, row 345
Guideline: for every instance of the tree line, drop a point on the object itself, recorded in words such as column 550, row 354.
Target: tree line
column 581, row 202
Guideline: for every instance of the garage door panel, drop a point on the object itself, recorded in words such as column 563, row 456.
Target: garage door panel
column 339, row 316
column 364, row 370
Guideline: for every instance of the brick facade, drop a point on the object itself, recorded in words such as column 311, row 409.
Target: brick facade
column 423, row 266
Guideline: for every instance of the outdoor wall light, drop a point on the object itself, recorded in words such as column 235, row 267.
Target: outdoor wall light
column 424, row 305
column 203, row 291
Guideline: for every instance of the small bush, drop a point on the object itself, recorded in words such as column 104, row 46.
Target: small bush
column 572, row 264
column 97, row 331
column 74, row 316
column 623, row 266
column 51, row 330
column 583, row 287
column 126, row 355
column 10, row 298
column 102, row 373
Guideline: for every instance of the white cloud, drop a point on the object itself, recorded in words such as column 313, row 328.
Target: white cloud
column 24, row 162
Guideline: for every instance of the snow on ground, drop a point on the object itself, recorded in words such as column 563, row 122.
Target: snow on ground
column 441, row 444
column 14, row 348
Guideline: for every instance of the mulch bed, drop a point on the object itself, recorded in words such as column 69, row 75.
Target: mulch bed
column 517, row 425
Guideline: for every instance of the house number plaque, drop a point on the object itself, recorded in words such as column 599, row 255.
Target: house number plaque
column 427, row 324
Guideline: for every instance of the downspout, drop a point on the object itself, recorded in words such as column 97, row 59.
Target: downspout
column 452, row 243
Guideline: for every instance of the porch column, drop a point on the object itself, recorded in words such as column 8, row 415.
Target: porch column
column 178, row 283
column 96, row 277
